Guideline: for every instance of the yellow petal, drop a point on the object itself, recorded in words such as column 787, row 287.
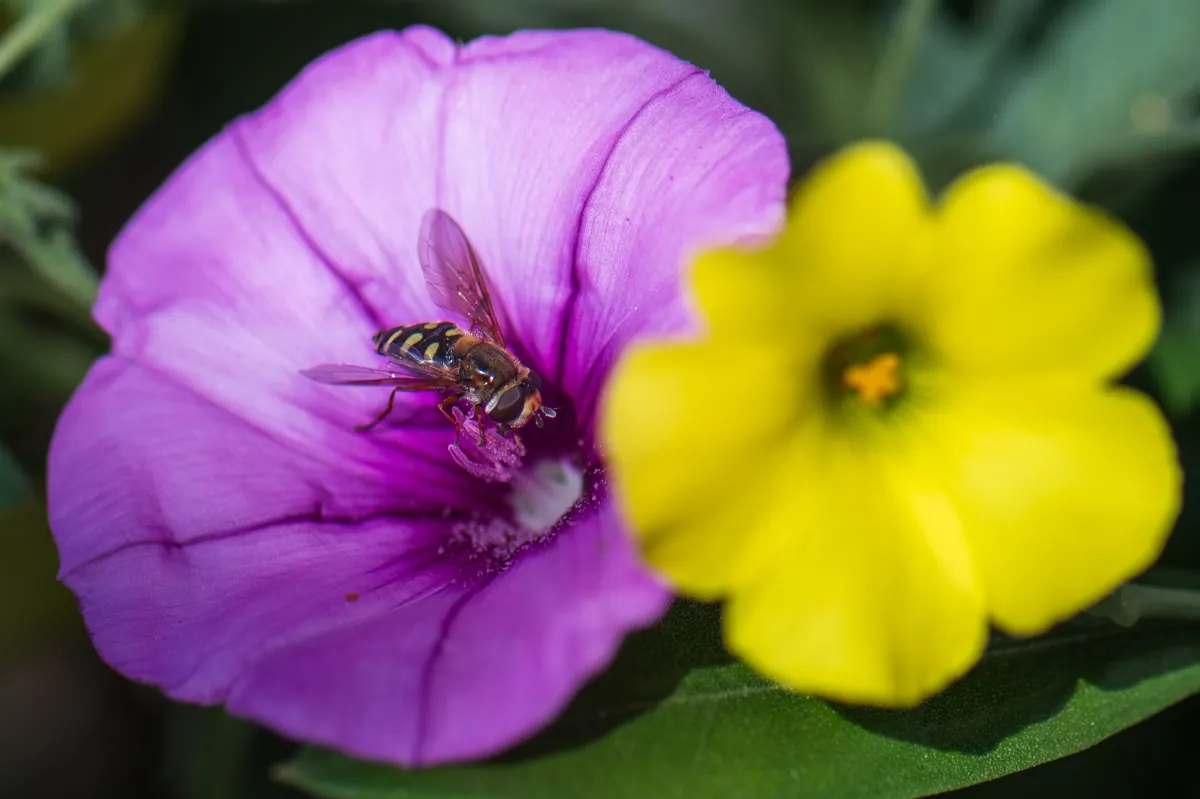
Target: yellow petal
column 689, row 431
column 1026, row 281
column 874, row 598
column 1064, row 493
column 742, row 293
column 855, row 241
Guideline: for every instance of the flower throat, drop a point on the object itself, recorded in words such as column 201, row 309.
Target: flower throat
column 867, row 367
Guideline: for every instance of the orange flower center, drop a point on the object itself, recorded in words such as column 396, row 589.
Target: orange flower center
column 876, row 380
column 869, row 368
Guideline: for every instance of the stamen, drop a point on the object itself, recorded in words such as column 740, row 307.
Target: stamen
column 870, row 368
column 875, row 380
column 496, row 460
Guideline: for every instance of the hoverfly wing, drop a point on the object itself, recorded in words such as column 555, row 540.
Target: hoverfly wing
column 345, row 374
column 454, row 275
column 342, row 373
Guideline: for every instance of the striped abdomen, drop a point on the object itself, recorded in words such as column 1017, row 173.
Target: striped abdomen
column 428, row 343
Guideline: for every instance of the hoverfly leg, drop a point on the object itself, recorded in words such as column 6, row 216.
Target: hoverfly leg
column 444, row 405
column 391, row 399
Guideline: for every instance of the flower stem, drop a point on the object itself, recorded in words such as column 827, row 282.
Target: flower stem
column 1130, row 603
column 891, row 72
column 32, row 28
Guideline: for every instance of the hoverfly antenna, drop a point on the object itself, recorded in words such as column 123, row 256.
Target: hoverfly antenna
column 549, row 412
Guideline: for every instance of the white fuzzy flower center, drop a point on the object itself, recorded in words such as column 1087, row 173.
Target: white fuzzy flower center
column 540, row 496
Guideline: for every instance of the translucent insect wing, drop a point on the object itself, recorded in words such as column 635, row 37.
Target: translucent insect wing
column 454, row 276
column 348, row 374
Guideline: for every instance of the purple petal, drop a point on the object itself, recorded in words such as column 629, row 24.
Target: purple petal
column 554, row 619
column 583, row 165
column 197, row 543
column 350, row 150
column 469, row 670
column 693, row 169
column 231, row 536
column 213, row 286
column 245, row 573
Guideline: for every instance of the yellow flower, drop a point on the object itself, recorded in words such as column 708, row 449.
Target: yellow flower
column 901, row 425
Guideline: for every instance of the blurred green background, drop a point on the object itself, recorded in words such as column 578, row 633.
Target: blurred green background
column 100, row 100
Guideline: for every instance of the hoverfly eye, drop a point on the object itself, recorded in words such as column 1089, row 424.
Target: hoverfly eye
column 509, row 405
column 533, row 381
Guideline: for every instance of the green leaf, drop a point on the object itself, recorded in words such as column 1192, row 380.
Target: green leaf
column 37, row 44
column 40, row 37
column 1175, row 360
column 1175, row 364
column 14, row 485
column 675, row 718
column 1078, row 107
column 34, row 221
column 960, row 73
column 207, row 753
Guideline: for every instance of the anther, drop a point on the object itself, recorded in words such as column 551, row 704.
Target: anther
column 875, row 380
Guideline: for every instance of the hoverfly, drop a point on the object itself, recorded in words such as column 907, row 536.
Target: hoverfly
column 473, row 365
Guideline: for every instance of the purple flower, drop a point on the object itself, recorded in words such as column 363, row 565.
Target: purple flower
column 233, row 539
